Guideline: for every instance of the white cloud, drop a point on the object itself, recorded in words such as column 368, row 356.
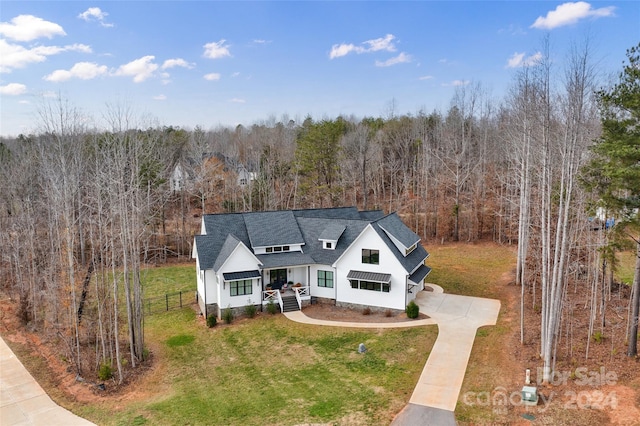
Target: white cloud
column 237, row 100
column 15, row 56
column 217, row 50
column 140, row 69
column 235, row 74
column 95, row 14
column 518, row 60
column 570, row 13
column 260, row 41
column 81, row 70
column 212, row 76
column 159, row 98
column 456, row 83
column 29, row 27
column 24, row 102
column 177, row 62
column 400, row 59
column 426, row 77
column 383, row 43
column 13, row 89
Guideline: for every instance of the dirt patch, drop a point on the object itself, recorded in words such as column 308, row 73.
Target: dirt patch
column 335, row 313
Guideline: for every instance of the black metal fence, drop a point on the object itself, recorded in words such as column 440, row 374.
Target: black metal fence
column 176, row 300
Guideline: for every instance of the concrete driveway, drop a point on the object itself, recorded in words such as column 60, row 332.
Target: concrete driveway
column 458, row 318
column 23, row 401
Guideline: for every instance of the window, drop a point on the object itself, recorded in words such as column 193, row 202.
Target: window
column 327, row 245
column 325, row 279
column 410, row 249
column 277, row 249
column 371, row 285
column 240, row 288
column 371, row 256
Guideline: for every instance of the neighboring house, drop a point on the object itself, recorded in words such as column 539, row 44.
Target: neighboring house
column 337, row 255
column 245, row 177
column 177, row 179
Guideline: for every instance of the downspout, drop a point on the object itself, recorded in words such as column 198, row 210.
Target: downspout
column 335, row 285
column 205, row 294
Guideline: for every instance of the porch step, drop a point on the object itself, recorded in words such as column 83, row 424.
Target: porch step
column 289, row 303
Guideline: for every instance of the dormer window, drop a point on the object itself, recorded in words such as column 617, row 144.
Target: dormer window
column 277, row 249
column 328, row 245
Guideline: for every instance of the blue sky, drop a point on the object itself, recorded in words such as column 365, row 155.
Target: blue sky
column 226, row 63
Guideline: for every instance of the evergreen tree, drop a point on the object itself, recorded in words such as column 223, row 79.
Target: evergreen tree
column 614, row 172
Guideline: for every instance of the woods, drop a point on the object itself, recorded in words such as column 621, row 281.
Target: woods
column 83, row 210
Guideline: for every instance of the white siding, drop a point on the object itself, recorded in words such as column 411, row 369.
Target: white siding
column 352, row 260
column 240, row 260
column 327, row 293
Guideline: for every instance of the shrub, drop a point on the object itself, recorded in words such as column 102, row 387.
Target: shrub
column 212, row 321
column 366, row 311
column 413, row 310
column 227, row 315
column 250, row 310
column 272, row 308
column 105, row 372
column 388, row 313
column 597, row 337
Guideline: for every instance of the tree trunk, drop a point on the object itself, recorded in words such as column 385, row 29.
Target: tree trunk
column 632, row 350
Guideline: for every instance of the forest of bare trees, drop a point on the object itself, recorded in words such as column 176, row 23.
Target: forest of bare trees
column 82, row 210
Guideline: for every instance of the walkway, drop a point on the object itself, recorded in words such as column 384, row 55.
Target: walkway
column 458, row 318
column 23, row 401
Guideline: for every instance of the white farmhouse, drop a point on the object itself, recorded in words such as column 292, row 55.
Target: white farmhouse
column 293, row 257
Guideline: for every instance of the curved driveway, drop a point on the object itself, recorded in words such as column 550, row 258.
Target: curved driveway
column 23, row 401
column 458, row 318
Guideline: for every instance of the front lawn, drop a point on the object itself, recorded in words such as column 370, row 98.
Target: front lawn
column 269, row 370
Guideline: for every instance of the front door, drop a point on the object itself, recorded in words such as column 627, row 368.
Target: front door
column 278, row 276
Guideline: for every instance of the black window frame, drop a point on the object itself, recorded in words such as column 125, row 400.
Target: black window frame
column 246, row 284
column 371, row 286
column 324, row 281
column 371, row 256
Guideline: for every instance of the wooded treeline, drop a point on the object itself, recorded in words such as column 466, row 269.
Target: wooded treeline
column 82, row 210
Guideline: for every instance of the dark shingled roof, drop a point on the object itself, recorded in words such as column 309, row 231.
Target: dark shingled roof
column 393, row 225
column 332, row 232
column 420, row 273
column 279, row 228
column 272, row 229
column 230, row 244
column 279, row 260
column 312, row 228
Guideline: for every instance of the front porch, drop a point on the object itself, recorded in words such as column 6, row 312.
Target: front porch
column 288, row 298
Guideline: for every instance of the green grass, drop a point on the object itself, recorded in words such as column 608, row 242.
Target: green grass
column 471, row 270
column 626, row 267
column 168, row 279
column 269, row 370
